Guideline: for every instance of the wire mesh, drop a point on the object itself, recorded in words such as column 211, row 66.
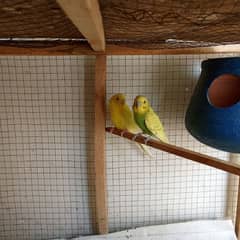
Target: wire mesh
column 166, row 188
column 46, row 135
column 46, row 151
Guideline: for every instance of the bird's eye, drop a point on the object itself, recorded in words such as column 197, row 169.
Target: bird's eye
column 144, row 101
column 117, row 98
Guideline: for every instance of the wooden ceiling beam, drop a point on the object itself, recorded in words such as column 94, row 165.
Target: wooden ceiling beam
column 71, row 48
column 86, row 16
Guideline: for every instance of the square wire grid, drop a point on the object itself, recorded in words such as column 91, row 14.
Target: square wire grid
column 46, row 135
column 46, row 150
column 164, row 189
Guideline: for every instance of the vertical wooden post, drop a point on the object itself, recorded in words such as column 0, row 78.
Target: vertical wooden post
column 99, row 144
column 237, row 222
column 234, row 195
column 86, row 16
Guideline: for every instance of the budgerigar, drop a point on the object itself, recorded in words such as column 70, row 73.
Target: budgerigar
column 122, row 117
column 147, row 119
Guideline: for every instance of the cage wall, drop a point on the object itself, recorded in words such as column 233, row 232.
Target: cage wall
column 165, row 188
column 46, row 148
column 46, row 156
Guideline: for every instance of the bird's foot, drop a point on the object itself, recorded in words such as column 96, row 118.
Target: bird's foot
column 122, row 133
column 112, row 129
column 136, row 135
column 147, row 139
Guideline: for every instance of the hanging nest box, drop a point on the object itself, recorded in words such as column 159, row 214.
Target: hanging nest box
column 213, row 115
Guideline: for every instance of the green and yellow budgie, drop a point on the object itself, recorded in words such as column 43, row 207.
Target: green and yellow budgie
column 147, row 119
column 122, row 117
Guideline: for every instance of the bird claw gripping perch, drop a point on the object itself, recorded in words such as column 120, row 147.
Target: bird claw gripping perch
column 112, row 129
column 122, row 133
column 135, row 136
column 147, row 139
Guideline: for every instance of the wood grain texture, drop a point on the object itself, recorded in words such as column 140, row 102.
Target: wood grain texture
column 148, row 50
column 237, row 222
column 182, row 152
column 145, row 24
column 181, row 23
column 72, row 48
column 233, row 194
column 99, row 144
column 86, row 16
column 31, row 19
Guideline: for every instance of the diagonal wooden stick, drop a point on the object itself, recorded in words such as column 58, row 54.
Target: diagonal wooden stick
column 179, row 151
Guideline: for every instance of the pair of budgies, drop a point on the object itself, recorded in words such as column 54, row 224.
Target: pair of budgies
column 142, row 119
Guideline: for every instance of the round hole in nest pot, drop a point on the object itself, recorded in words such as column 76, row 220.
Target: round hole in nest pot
column 224, row 91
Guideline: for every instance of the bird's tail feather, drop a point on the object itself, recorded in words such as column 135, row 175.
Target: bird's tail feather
column 146, row 150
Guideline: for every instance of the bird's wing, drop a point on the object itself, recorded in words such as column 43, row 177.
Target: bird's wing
column 122, row 118
column 116, row 117
column 131, row 125
column 155, row 126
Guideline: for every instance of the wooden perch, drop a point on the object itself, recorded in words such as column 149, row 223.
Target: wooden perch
column 179, row 151
column 86, row 16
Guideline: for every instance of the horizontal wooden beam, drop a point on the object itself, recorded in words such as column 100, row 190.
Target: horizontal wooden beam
column 179, row 151
column 86, row 16
column 184, row 22
column 70, row 48
column 151, row 22
column 45, row 48
column 124, row 50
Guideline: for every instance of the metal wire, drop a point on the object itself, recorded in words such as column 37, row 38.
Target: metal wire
column 165, row 189
column 46, row 111
column 46, row 150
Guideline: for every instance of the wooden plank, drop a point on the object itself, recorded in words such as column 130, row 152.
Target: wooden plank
column 191, row 23
column 237, row 221
column 182, row 152
column 71, row 48
column 45, row 48
column 158, row 21
column 233, row 196
column 86, row 16
column 99, row 144
column 123, row 50
column 35, row 19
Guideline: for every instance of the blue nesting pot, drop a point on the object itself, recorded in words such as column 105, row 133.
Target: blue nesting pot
column 213, row 115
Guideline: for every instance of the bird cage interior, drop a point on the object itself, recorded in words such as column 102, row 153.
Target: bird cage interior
column 165, row 188
column 66, row 170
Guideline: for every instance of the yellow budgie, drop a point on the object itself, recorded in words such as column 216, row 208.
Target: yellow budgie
column 122, row 117
column 147, row 119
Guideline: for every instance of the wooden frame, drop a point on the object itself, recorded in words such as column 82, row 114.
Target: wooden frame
column 71, row 48
column 86, row 16
column 237, row 221
column 99, row 144
column 60, row 49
